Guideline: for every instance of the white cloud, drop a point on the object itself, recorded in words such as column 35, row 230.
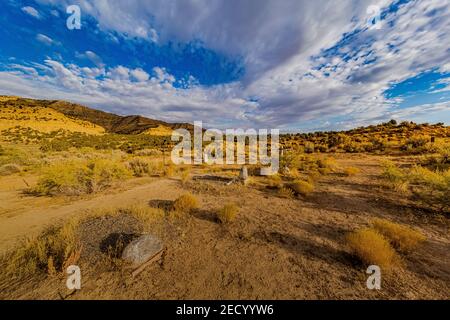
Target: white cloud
column 91, row 56
column 31, row 11
column 139, row 75
column 46, row 40
column 276, row 40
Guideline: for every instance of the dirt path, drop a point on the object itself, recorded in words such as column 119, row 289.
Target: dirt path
column 29, row 215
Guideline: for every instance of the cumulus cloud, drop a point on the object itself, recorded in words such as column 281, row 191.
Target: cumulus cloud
column 139, row 75
column 91, row 56
column 299, row 68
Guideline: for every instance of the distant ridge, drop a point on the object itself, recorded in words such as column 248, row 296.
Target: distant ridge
column 112, row 123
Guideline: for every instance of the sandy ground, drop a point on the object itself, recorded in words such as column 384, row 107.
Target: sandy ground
column 276, row 249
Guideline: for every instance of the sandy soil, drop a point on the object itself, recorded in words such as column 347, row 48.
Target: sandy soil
column 276, row 249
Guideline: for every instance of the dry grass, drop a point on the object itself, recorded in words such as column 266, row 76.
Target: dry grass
column 274, row 181
column 351, row 171
column 302, row 187
column 185, row 175
column 284, row 192
column 228, row 213
column 185, row 203
column 372, row 248
column 148, row 217
column 9, row 169
column 402, row 237
column 314, row 176
column 169, row 170
column 51, row 252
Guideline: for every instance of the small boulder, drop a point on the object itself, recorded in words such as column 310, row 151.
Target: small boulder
column 142, row 249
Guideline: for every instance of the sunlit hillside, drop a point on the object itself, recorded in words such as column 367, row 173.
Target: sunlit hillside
column 40, row 118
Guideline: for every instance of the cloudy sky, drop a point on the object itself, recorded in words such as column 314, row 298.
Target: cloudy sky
column 287, row 64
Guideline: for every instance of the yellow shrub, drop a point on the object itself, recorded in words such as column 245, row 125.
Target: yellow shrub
column 395, row 177
column 302, row 187
column 79, row 177
column 185, row 203
column 139, row 167
column 351, row 171
column 432, row 187
column 402, row 237
column 228, row 213
column 327, row 163
column 325, row 171
column 372, row 248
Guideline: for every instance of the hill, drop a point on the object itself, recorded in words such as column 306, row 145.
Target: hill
column 39, row 116
column 51, row 115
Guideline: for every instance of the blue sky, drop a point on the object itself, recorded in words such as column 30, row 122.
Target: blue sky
column 291, row 64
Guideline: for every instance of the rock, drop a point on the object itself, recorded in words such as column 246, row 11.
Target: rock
column 243, row 175
column 142, row 249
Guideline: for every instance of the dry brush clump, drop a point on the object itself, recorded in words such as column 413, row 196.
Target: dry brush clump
column 228, row 213
column 185, row 204
column 139, row 167
column 351, row 171
column 401, row 237
column 372, row 248
column 285, row 192
column 301, row 187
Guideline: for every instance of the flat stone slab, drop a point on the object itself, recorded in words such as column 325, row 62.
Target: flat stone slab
column 142, row 249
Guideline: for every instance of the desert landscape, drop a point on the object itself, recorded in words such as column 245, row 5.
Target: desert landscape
column 212, row 158
column 77, row 185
